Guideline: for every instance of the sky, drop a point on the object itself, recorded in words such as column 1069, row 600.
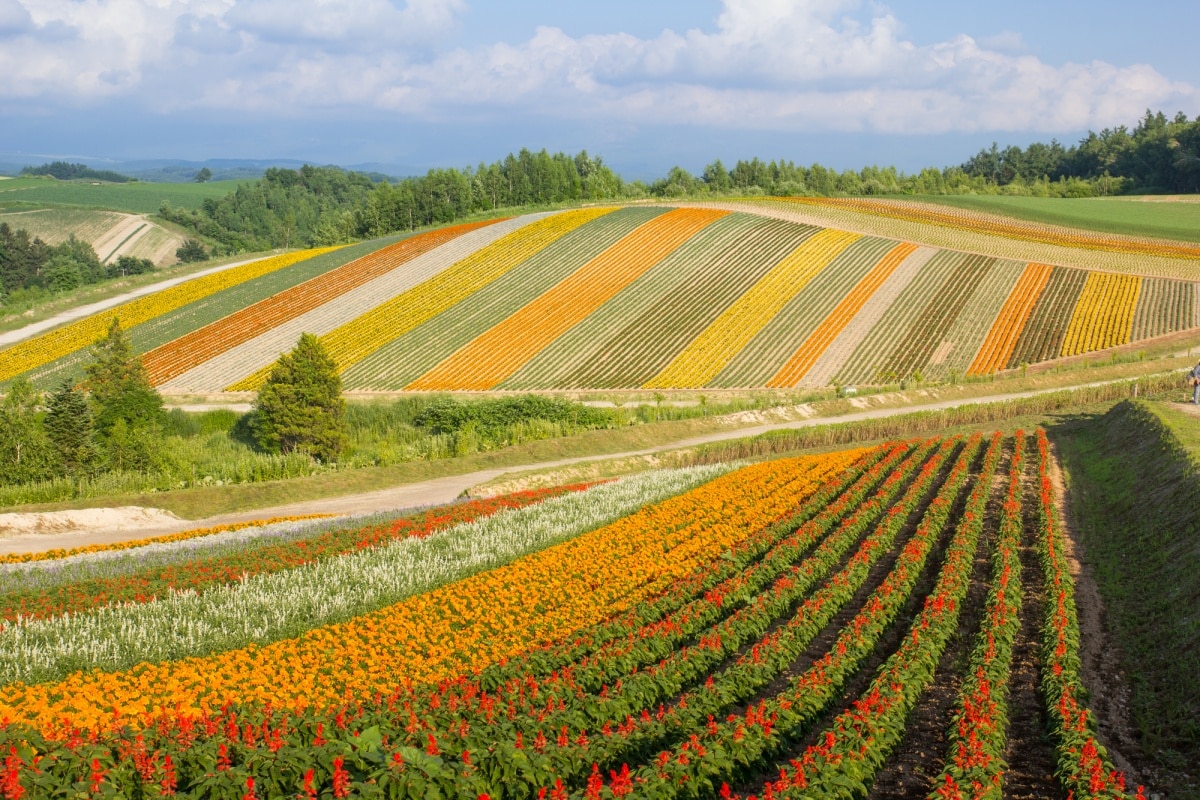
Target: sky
column 646, row 84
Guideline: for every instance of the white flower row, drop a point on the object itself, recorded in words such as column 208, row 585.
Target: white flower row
column 270, row 607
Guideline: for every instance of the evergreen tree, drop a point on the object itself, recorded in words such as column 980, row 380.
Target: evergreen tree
column 26, row 454
column 300, row 407
column 69, row 427
column 119, row 385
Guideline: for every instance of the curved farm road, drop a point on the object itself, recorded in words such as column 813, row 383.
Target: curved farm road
column 21, row 535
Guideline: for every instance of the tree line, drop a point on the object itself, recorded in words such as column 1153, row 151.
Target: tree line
column 65, row 171
column 30, row 268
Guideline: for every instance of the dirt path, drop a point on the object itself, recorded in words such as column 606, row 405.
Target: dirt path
column 71, row 314
column 444, row 490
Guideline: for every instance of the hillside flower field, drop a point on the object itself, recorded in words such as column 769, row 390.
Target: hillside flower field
column 729, row 295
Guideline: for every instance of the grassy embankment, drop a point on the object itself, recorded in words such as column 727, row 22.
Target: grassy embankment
column 1134, row 487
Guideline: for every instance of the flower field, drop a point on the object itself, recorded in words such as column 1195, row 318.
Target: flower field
column 770, row 630
column 725, row 295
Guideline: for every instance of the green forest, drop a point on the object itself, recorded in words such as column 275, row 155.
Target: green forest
column 316, row 206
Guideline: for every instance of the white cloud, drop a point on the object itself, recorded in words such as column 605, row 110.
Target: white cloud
column 776, row 65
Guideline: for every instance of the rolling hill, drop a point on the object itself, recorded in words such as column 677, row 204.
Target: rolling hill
column 765, row 293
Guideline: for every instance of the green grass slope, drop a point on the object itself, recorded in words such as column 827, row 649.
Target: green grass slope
column 133, row 198
column 1134, row 487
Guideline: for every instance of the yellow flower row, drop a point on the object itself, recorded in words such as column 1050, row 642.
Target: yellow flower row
column 456, row 629
column 500, row 351
column 1103, row 316
column 59, row 342
column 1012, row 228
column 364, row 335
column 196, row 533
column 709, row 352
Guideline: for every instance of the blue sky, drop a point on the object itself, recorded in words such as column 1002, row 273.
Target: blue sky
column 646, row 84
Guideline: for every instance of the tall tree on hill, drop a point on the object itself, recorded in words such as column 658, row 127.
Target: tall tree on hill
column 119, row 385
column 69, row 427
column 300, row 407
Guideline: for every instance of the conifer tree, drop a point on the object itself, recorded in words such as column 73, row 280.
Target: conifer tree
column 300, row 406
column 119, row 385
column 69, row 427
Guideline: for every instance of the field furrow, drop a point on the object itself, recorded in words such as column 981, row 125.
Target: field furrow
column 495, row 355
column 1042, row 336
column 705, row 286
column 187, row 351
column 712, row 350
column 411, row 355
column 928, row 341
column 835, row 357
column 869, row 363
column 997, row 348
column 966, row 336
column 1103, row 317
column 1163, row 307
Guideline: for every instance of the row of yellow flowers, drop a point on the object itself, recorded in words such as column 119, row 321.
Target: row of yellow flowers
column 1103, row 317
column 709, row 352
column 195, row 533
column 363, row 335
column 59, row 342
column 1002, row 226
column 500, row 351
column 459, row 628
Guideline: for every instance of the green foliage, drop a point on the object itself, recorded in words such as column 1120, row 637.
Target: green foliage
column 27, row 262
column 450, row 415
column 203, row 175
column 300, row 407
column 68, row 425
column 64, row 171
column 191, row 251
column 119, row 386
column 129, row 265
column 25, row 452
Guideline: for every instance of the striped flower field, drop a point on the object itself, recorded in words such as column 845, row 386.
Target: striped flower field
column 728, row 295
column 763, row 630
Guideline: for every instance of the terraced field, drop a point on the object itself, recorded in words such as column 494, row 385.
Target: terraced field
column 723, row 295
column 900, row 618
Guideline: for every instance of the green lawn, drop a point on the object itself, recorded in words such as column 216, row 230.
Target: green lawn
column 1131, row 216
column 135, row 198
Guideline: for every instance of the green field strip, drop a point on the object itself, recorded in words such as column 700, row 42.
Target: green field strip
column 185, row 319
column 771, row 347
column 405, row 359
column 964, row 338
column 592, row 336
column 1043, row 334
column 928, row 332
column 54, row 226
column 869, row 361
column 711, row 283
column 1164, row 306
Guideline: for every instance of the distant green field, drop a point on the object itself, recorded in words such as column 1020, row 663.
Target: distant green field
column 135, row 198
column 1131, row 216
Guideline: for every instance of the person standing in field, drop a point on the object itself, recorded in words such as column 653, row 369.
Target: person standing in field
column 1194, row 382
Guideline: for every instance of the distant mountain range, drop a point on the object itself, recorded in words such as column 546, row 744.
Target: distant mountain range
column 174, row 170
